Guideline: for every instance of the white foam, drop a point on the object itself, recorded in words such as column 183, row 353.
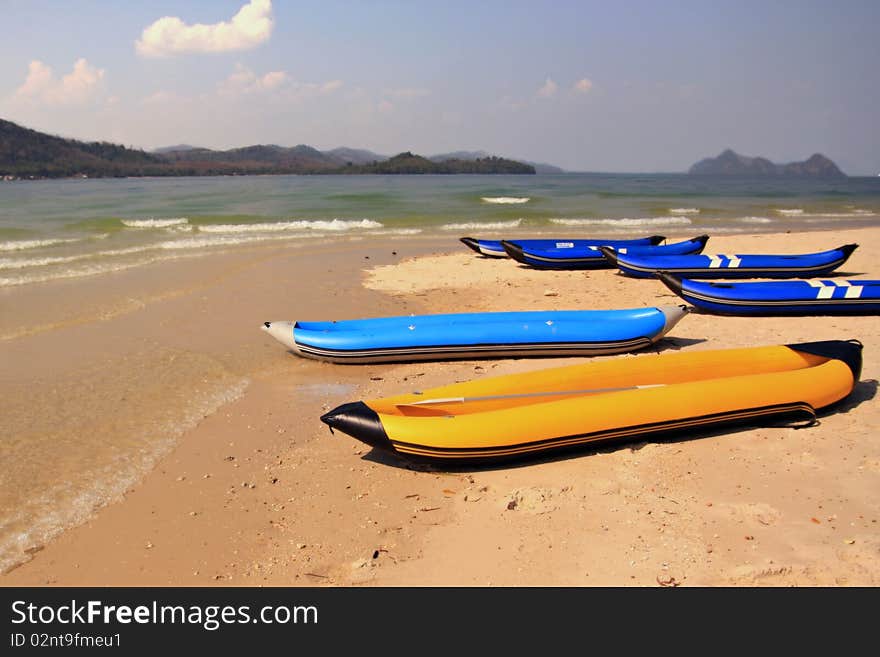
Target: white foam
column 90, row 269
column 280, row 226
column 218, row 240
column 155, row 223
column 86, row 270
column 22, row 245
column 505, row 200
column 625, row 222
column 684, row 211
column 197, row 243
column 755, row 220
column 790, row 212
column 498, row 225
column 156, row 252
column 9, row 263
column 861, row 214
column 400, row 231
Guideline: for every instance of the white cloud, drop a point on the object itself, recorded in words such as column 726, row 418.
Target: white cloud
column 272, row 80
column 275, row 85
column 169, row 35
column 82, row 85
column 243, row 80
column 549, row 89
column 306, row 90
column 582, row 86
column 161, row 97
column 329, row 87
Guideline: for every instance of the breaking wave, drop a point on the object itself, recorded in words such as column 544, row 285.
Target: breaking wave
column 155, row 223
column 625, row 222
column 22, row 245
column 480, row 225
column 505, row 200
column 280, row 226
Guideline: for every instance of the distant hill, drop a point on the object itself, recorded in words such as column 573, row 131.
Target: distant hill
column 475, row 155
column 258, row 159
column 458, row 155
column 26, row 153
column 355, row 155
column 730, row 163
column 412, row 164
column 178, row 147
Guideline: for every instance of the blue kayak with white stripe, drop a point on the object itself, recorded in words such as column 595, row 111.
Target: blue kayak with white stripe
column 493, row 248
column 590, row 257
column 478, row 335
column 808, row 265
column 801, row 297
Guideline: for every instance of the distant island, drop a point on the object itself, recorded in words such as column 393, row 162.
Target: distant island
column 540, row 167
column 26, row 153
column 730, row 163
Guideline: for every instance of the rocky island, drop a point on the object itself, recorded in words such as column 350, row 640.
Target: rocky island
column 730, row 163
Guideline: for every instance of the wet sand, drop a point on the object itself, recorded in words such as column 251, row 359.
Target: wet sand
column 256, row 491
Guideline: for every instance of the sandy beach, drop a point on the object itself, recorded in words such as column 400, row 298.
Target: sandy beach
column 251, row 489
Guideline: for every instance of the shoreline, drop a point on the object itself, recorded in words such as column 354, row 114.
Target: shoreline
column 258, row 492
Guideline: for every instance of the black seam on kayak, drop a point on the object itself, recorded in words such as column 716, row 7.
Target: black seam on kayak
column 624, row 265
column 622, row 432
column 778, row 302
column 585, row 264
column 703, row 270
column 577, row 259
column 599, row 257
column 588, row 258
column 473, row 348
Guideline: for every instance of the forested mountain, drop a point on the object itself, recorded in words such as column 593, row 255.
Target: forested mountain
column 26, row 153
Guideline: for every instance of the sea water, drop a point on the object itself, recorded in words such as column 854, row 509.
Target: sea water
column 55, row 229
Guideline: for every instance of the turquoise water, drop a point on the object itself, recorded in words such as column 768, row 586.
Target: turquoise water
column 69, row 228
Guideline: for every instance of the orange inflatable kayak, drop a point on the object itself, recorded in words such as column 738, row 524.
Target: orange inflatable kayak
column 625, row 398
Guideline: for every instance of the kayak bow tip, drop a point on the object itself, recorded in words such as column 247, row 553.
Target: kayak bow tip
column 610, row 254
column 672, row 315
column 283, row 332
column 360, row 422
column 471, row 243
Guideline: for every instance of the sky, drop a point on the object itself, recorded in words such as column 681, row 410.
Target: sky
column 588, row 86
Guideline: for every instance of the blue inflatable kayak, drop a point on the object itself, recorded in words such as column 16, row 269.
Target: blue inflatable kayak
column 807, row 265
column 590, row 257
column 811, row 297
column 493, row 248
column 477, row 335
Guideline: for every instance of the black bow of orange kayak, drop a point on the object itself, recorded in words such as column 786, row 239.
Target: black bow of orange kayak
column 358, row 419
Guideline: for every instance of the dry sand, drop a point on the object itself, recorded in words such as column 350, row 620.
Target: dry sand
column 259, row 493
